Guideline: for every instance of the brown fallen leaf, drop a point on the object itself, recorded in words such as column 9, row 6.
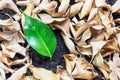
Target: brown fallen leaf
column 79, row 28
column 85, row 50
column 83, row 69
column 28, row 11
column 75, row 9
column 116, row 6
column 70, row 61
column 63, row 74
column 86, row 8
column 26, row 2
column 96, row 47
column 69, row 44
column 46, row 18
column 101, row 64
column 29, row 78
column 9, row 4
column 40, row 73
column 18, row 74
column 114, row 66
column 2, row 74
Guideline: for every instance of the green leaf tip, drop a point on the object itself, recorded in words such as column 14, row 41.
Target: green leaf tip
column 39, row 36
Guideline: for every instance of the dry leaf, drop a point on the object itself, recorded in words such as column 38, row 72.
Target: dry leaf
column 82, row 26
column 86, row 8
column 70, row 61
column 115, row 7
column 17, row 48
column 93, row 12
column 85, row 50
column 102, row 65
column 29, row 78
column 114, row 66
column 75, row 9
column 85, row 36
column 96, row 47
column 28, row 11
column 83, row 69
column 18, row 74
column 46, row 18
column 69, row 44
column 63, row 74
column 40, row 73
column 9, row 4
column 2, row 74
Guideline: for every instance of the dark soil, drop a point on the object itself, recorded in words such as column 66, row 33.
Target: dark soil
column 57, row 60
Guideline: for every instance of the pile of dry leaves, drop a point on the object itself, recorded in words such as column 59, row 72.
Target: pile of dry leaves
column 93, row 32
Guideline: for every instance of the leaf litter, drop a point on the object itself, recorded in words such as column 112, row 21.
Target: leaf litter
column 95, row 35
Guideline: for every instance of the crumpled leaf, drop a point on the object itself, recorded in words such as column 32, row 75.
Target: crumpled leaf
column 102, row 65
column 18, row 74
column 26, row 2
column 96, row 47
column 48, row 19
column 29, row 78
column 4, row 67
column 116, row 6
column 2, row 74
column 114, row 66
column 43, row 74
column 69, row 44
column 28, row 11
column 70, row 60
column 64, row 75
column 85, row 50
column 64, row 26
column 83, row 69
column 75, row 9
column 9, row 4
column 86, row 8
column 93, row 12
column 79, row 28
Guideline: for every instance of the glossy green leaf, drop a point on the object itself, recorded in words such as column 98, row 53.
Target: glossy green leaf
column 39, row 36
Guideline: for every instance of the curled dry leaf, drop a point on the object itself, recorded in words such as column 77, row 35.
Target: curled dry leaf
column 83, row 69
column 17, row 48
column 40, row 73
column 26, row 2
column 115, row 7
column 93, row 12
column 79, row 67
column 63, row 74
column 64, row 26
column 85, row 50
column 79, row 28
column 85, row 36
column 9, row 4
column 5, row 68
column 75, row 9
column 28, row 11
column 102, row 65
column 115, row 67
column 2, row 74
column 46, row 18
column 96, row 47
column 29, row 78
column 18, row 74
column 6, row 22
column 69, row 44
column 86, row 8
column 70, row 60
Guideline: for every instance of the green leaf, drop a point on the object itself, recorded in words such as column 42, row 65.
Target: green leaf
column 39, row 36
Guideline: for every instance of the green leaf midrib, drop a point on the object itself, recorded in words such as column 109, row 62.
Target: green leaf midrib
column 43, row 42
